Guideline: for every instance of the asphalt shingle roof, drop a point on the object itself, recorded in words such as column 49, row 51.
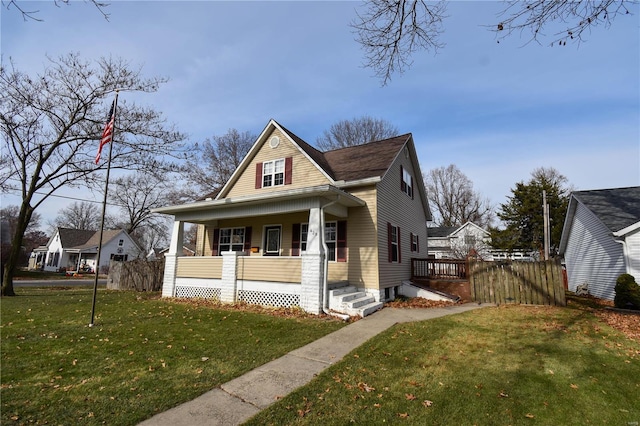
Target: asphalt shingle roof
column 617, row 208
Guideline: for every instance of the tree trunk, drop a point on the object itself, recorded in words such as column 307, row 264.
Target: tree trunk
column 16, row 245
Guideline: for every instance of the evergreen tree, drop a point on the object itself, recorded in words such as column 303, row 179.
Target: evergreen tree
column 523, row 215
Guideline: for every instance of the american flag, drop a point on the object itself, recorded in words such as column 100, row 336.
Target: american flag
column 107, row 134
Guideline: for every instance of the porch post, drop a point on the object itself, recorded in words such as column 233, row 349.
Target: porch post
column 313, row 265
column 229, row 276
column 171, row 259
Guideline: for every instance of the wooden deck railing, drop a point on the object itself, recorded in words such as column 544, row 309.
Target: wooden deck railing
column 439, row 269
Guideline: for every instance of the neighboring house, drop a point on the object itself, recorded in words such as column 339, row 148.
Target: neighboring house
column 601, row 239
column 459, row 242
column 293, row 222
column 158, row 253
column 76, row 249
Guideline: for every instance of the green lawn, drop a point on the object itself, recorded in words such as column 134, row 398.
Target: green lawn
column 512, row 365
column 144, row 354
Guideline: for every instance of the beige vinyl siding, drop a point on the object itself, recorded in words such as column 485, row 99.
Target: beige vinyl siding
column 275, row 269
column 592, row 255
column 199, row 267
column 338, row 271
column 257, row 225
column 397, row 208
column 362, row 240
column 304, row 172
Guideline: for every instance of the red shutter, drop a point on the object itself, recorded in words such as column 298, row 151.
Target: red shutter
column 216, row 239
column 247, row 240
column 403, row 186
column 288, row 170
column 258, row 175
column 342, row 241
column 399, row 250
column 389, row 245
column 295, row 240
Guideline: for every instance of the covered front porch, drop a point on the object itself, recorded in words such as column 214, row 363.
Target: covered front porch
column 284, row 248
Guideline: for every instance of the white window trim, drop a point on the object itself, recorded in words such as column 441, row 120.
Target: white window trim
column 274, row 173
column 407, row 178
column 231, row 244
column 303, row 241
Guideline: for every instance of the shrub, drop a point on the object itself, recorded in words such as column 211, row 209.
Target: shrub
column 627, row 292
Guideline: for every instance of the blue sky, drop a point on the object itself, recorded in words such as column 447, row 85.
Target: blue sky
column 496, row 110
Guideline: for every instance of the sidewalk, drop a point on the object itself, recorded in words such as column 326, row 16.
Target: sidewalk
column 236, row 401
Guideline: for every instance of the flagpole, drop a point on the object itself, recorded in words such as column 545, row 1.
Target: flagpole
column 104, row 209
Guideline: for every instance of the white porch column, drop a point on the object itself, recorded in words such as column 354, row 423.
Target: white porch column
column 171, row 259
column 229, row 276
column 311, row 296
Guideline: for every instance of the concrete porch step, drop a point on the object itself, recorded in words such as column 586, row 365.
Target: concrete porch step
column 365, row 310
column 348, row 300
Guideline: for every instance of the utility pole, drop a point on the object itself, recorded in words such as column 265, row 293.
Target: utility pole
column 545, row 218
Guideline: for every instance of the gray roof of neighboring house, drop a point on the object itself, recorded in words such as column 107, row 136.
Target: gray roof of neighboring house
column 74, row 237
column 441, row 231
column 617, row 208
column 83, row 239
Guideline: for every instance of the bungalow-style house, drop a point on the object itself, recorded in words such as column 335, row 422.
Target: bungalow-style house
column 295, row 226
column 459, row 242
column 76, row 250
column 601, row 239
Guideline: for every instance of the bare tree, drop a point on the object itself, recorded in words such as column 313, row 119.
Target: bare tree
column 51, row 124
column 32, row 14
column 453, row 199
column 79, row 215
column 136, row 195
column 33, row 236
column 391, row 31
column 356, row 131
column 215, row 161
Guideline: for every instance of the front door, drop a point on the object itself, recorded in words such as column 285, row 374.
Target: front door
column 272, row 240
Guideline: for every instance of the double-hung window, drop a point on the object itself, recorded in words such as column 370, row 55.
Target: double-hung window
column 393, row 234
column 330, row 238
column 335, row 237
column 231, row 239
column 273, row 173
column 415, row 246
column 407, row 182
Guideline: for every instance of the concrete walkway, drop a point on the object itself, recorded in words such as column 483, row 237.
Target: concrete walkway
column 236, row 401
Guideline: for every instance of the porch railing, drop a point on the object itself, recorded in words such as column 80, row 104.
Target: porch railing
column 439, row 269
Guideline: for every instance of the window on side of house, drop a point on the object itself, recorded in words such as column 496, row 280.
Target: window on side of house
column 407, row 182
column 415, row 245
column 120, row 243
column 393, row 232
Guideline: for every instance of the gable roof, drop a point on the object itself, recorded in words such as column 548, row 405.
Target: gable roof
column 82, row 239
column 617, row 208
column 74, row 237
column 107, row 236
column 441, row 231
column 367, row 160
column 358, row 162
